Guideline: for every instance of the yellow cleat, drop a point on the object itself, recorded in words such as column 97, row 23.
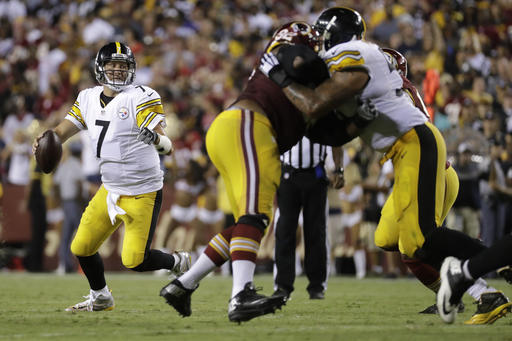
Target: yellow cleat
column 491, row 306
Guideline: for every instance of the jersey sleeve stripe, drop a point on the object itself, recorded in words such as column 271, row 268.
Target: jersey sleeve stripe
column 154, row 108
column 142, row 114
column 75, row 121
column 353, row 53
column 77, row 115
column 344, row 63
column 154, row 121
column 148, row 119
column 151, row 102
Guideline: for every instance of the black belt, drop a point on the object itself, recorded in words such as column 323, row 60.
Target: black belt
column 292, row 169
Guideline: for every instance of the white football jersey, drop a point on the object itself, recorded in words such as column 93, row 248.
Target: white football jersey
column 384, row 89
column 127, row 166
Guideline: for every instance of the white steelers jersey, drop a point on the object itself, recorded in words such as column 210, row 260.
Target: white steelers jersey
column 384, row 89
column 127, row 166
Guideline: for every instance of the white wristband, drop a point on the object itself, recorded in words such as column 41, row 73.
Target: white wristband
column 164, row 146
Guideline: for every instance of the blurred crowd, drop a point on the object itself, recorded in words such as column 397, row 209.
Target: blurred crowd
column 198, row 55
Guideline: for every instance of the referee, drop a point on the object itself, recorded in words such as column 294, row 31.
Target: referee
column 304, row 187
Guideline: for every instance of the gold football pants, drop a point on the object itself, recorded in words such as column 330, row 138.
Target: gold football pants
column 418, row 202
column 140, row 222
column 241, row 144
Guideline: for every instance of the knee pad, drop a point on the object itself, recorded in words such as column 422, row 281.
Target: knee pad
column 260, row 221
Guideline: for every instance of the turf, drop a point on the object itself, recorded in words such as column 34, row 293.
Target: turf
column 32, row 308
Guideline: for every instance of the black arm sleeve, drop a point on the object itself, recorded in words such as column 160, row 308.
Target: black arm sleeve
column 329, row 130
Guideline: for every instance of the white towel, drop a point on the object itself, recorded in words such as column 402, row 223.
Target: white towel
column 113, row 209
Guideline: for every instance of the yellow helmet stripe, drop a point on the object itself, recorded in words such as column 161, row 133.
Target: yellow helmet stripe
column 118, row 47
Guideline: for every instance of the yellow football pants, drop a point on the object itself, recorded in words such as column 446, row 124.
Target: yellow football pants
column 417, row 203
column 140, row 221
column 241, row 144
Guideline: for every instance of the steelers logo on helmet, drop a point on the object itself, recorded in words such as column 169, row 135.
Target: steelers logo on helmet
column 115, row 78
column 295, row 32
column 338, row 25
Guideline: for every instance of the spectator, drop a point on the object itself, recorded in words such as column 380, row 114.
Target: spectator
column 464, row 215
column 69, row 180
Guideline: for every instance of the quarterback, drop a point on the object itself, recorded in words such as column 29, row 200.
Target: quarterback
column 125, row 128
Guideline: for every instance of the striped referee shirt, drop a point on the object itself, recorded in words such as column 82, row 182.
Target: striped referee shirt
column 305, row 154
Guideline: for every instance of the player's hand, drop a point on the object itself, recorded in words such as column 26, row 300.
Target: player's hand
column 270, row 67
column 147, row 136
column 35, row 144
column 268, row 63
column 365, row 113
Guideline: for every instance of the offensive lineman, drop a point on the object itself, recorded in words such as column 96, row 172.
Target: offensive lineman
column 125, row 126
column 412, row 214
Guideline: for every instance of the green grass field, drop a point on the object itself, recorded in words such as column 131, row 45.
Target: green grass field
column 32, row 308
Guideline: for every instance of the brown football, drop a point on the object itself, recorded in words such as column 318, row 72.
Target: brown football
column 49, row 151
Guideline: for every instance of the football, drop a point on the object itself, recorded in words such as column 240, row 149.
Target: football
column 49, row 151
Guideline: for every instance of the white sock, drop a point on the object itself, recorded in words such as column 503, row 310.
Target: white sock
column 478, row 288
column 202, row 267
column 95, row 293
column 243, row 272
column 465, row 271
column 360, row 263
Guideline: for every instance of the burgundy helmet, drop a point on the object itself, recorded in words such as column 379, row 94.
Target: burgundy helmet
column 295, row 32
column 398, row 60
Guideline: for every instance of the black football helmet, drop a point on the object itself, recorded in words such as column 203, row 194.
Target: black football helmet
column 337, row 25
column 115, row 51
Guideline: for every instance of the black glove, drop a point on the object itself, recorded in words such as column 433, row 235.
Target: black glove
column 311, row 72
column 147, row 136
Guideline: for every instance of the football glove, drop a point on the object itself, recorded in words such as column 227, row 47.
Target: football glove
column 147, row 136
column 365, row 113
column 270, row 67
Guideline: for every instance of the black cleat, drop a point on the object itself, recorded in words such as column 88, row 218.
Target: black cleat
column 316, row 295
column 506, row 273
column 490, row 307
column 178, row 297
column 453, row 286
column 433, row 309
column 247, row 304
column 281, row 292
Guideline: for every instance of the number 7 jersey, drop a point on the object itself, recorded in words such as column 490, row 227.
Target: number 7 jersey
column 127, row 166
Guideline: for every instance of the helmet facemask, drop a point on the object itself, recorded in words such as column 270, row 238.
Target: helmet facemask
column 116, row 79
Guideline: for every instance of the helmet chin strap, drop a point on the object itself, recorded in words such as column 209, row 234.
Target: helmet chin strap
column 113, row 86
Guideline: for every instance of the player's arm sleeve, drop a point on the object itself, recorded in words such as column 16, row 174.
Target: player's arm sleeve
column 150, row 111
column 329, row 130
column 75, row 114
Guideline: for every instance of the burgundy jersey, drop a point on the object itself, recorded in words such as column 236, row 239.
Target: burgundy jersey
column 286, row 119
column 415, row 96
